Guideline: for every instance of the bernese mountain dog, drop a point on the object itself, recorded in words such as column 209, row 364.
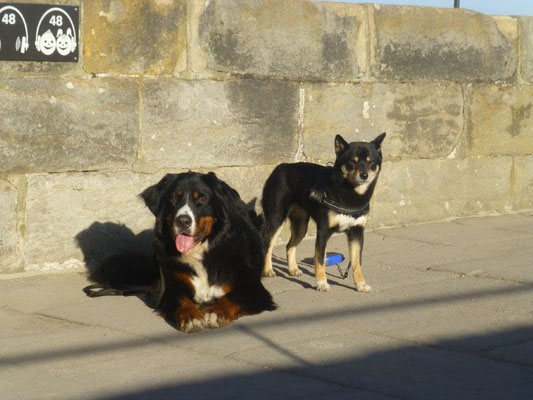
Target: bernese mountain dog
column 208, row 254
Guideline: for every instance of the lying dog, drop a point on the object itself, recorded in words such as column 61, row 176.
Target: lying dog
column 337, row 198
column 207, row 249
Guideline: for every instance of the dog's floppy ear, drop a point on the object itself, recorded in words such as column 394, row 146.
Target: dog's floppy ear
column 152, row 195
column 377, row 141
column 340, row 145
column 225, row 196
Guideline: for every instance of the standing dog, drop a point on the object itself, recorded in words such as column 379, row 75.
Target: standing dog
column 337, row 198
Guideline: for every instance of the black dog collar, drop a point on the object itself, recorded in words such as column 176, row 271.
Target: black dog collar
column 322, row 198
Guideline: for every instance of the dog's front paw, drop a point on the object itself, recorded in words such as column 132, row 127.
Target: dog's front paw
column 269, row 274
column 363, row 287
column 191, row 325
column 322, row 286
column 295, row 272
column 211, row 320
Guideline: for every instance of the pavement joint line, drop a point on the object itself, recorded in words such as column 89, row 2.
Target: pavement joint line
column 294, row 372
column 136, row 340
column 433, row 345
column 496, row 347
column 477, row 275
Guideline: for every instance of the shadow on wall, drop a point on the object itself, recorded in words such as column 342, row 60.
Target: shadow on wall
column 104, row 239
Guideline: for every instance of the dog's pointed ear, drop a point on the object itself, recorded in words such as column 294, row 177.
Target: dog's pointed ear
column 152, row 195
column 340, row 145
column 377, row 141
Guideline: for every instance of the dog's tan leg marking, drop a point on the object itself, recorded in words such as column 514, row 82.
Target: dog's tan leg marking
column 355, row 260
column 322, row 284
column 299, row 220
column 268, row 270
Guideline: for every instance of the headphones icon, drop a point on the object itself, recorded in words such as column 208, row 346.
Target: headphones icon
column 69, row 35
column 22, row 43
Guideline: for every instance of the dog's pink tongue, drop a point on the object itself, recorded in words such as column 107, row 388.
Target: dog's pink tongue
column 184, row 243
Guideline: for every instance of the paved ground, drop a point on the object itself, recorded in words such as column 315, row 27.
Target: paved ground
column 451, row 316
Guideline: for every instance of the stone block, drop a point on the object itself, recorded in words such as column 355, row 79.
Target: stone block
column 413, row 191
column 422, row 120
column 61, row 124
column 135, row 36
column 499, row 119
column 10, row 257
column 526, row 48
column 522, row 180
column 206, row 124
column 71, row 217
column 459, row 45
column 101, row 212
column 248, row 181
column 297, row 39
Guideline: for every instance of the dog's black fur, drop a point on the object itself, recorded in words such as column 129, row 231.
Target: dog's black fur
column 348, row 185
column 207, row 249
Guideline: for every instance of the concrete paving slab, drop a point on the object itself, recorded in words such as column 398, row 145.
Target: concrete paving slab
column 521, row 353
column 514, row 222
column 514, row 265
column 34, row 293
column 389, row 367
column 73, row 361
column 428, row 257
column 422, row 333
column 455, row 234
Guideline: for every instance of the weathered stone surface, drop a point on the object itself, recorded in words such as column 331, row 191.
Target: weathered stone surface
column 522, row 180
column 421, row 119
column 103, row 210
column 9, row 242
column 499, row 119
column 59, row 124
column 248, row 181
column 40, row 68
column 135, row 36
column 416, row 42
column 295, row 39
column 526, row 48
column 205, row 124
column 413, row 191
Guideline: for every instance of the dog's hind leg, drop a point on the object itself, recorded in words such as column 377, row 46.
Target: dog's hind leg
column 299, row 220
column 355, row 245
column 268, row 270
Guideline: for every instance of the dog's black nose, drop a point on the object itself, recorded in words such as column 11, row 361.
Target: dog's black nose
column 183, row 221
column 363, row 175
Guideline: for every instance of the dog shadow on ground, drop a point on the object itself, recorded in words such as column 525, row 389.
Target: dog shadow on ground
column 101, row 240
column 307, row 267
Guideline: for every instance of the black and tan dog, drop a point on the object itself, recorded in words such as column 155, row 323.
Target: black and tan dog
column 337, row 198
column 208, row 254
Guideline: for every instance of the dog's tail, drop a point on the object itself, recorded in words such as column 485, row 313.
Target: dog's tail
column 124, row 271
column 257, row 219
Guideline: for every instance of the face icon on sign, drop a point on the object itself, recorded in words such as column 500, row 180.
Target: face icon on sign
column 64, row 42
column 47, row 43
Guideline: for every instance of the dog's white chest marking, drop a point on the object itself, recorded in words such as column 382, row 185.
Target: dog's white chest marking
column 203, row 291
column 343, row 221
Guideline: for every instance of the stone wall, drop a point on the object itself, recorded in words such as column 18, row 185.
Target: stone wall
column 240, row 86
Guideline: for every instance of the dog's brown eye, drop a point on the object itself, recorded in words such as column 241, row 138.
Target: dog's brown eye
column 356, row 159
column 368, row 159
column 201, row 200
